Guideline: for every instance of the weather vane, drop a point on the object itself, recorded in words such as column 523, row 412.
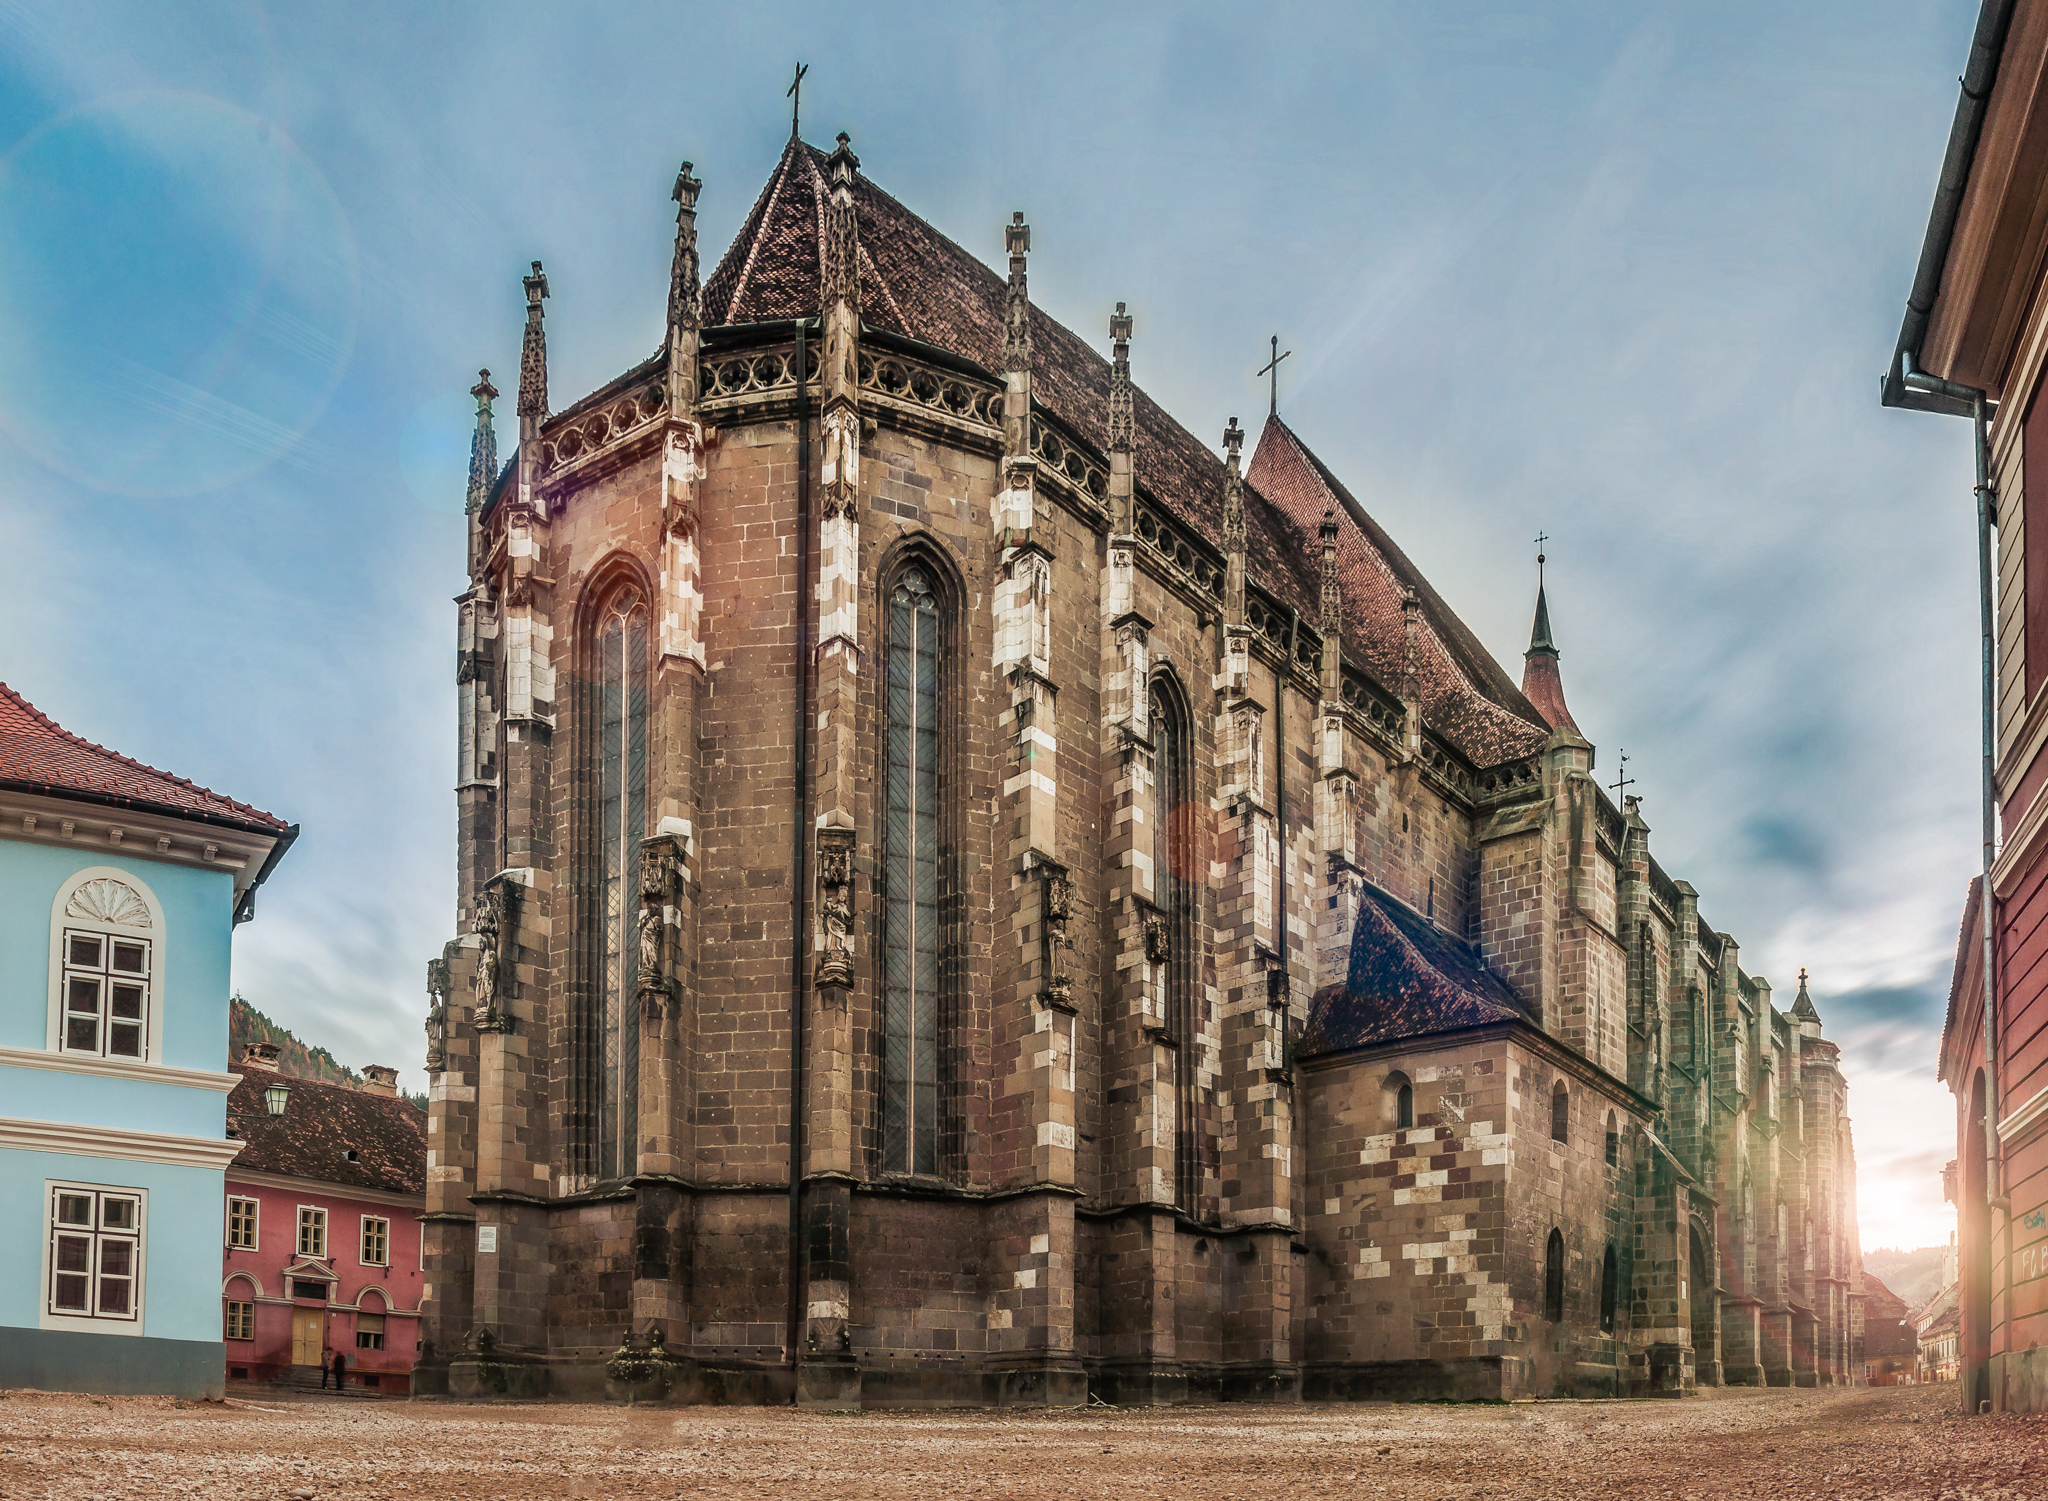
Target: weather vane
column 1273, row 366
column 1624, row 781
column 1541, row 538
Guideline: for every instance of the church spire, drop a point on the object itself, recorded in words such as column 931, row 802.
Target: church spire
column 1233, row 525
column 1539, row 633
column 533, row 384
column 483, row 446
column 1121, row 424
column 685, row 298
column 1541, row 683
column 1802, row 1004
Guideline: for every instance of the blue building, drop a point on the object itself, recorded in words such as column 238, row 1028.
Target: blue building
column 120, row 887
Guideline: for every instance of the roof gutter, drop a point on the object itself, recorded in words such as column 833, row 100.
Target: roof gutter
column 245, row 909
column 1904, row 385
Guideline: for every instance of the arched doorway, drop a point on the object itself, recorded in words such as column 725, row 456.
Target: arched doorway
column 1706, row 1310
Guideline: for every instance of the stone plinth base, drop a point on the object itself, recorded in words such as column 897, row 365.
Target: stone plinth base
column 1138, row 1383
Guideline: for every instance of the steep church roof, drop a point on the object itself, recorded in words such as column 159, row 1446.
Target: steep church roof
column 916, row 282
column 1407, row 978
column 1466, row 697
column 39, row 755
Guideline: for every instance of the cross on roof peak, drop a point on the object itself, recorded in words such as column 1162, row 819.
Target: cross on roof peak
column 1272, row 367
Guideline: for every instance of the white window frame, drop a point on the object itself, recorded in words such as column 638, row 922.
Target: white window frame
column 228, row 1318
column 255, row 1224
column 94, row 1322
column 150, row 928
column 363, row 1238
column 321, row 1211
column 382, row 1325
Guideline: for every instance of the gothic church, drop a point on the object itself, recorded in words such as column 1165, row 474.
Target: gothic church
column 971, row 894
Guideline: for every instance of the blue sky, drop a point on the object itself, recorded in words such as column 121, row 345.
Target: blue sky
column 1623, row 273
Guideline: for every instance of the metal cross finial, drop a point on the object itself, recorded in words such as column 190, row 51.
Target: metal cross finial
column 1623, row 782
column 1541, row 538
column 1272, row 366
column 795, row 95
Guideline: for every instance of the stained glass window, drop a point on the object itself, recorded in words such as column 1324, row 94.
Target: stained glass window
column 622, row 818
column 910, row 959
column 1175, row 895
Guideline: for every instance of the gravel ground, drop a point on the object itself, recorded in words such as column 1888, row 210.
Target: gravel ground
column 1836, row 1444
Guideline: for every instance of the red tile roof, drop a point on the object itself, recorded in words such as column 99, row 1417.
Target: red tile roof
column 39, row 755
column 916, row 282
column 1407, row 978
column 1466, row 698
column 319, row 1124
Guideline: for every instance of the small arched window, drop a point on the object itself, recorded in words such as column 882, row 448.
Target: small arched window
column 1613, row 1140
column 106, row 932
column 1560, row 1113
column 1397, row 1103
column 1610, row 1290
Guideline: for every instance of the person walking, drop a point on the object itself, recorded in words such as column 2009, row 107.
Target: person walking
column 340, row 1365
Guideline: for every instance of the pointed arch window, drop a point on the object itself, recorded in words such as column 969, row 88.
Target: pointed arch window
column 1172, row 862
column 621, row 745
column 1560, row 1113
column 1553, row 1277
column 914, row 702
column 1610, row 1289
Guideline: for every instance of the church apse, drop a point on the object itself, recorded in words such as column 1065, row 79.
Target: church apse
column 971, row 893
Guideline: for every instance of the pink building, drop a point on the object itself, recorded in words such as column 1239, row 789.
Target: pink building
column 321, row 1227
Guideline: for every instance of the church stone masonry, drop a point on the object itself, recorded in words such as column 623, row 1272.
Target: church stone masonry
column 967, row 895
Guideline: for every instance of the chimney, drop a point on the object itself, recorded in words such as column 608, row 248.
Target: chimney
column 377, row 1079
column 261, row 1055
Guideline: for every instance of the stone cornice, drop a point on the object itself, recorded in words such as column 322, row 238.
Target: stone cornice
column 115, row 1068
column 108, row 1141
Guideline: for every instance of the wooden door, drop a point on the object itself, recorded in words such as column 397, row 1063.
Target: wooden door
column 307, row 1346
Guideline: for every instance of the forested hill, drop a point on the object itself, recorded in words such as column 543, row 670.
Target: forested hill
column 246, row 1025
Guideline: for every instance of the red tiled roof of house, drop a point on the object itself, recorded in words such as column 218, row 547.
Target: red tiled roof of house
column 1466, row 697
column 1407, row 978
column 39, row 755
column 322, row 1122
column 917, row 282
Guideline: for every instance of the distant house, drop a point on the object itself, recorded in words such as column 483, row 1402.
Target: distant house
column 1940, row 1328
column 322, row 1234
column 1891, row 1345
column 119, row 890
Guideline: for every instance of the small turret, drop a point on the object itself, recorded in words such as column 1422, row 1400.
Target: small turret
column 1802, row 1004
column 1541, row 684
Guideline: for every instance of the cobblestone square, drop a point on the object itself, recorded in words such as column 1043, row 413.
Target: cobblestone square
column 1897, row 1442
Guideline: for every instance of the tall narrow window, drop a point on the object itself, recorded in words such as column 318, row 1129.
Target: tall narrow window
column 1404, row 1108
column 1553, row 1277
column 1560, row 1113
column 910, row 962
column 622, row 823
column 1175, row 893
column 1610, row 1290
